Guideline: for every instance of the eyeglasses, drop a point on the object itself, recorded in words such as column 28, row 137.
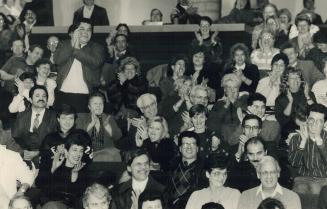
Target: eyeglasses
column 145, row 107
column 251, row 127
column 313, row 121
column 270, row 173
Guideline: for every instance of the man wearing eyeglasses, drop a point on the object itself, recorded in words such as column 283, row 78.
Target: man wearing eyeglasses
column 187, row 173
column 243, row 173
column 268, row 171
column 308, row 153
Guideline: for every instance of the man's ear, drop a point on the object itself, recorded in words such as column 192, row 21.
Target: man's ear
column 129, row 169
column 207, row 174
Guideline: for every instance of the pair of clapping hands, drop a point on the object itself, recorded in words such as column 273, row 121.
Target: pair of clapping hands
column 142, row 129
column 59, row 157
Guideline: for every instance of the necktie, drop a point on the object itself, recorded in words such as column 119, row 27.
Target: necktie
column 36, row 122
column 98, row 137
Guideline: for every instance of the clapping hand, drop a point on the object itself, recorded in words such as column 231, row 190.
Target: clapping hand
column 199, row 37
column 58, row 159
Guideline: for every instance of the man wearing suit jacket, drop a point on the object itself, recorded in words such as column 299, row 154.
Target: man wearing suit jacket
column 97, row 14
column 79, row 63
column 32, row 125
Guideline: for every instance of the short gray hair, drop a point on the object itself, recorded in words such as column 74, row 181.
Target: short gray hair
column 140, row 100
column 268, row 159
column 97, row 190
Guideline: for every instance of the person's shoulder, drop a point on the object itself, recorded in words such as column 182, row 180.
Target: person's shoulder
column 99, row 7
column 250, row 192
column 232, row 191
column 289, row 193
column 307, row 63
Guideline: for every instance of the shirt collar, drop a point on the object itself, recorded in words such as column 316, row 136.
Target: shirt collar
column 240, row 67
column 89, row 8
column 278, row 189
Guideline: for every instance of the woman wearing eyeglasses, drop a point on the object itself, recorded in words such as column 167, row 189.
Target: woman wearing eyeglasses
column 216, row 171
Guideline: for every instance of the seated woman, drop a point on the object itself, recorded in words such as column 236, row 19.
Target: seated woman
column 209, row 40
column 127, row 87
column 239, row 64
column 294, row 97
column 156, row 140
column 210, row 142
column 155, row 18
column 269, row 85
column 216, row 170
column 262, row 56
column 227, row 113
column 67, row 179
column 102, row 128
column 22, row 100
column 202, row 74
column 303, row 41
column 274, row 25
column 285, row 20
column 176, row 70
column 43, row 69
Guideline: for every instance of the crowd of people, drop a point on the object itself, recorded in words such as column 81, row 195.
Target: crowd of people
column 199, row 132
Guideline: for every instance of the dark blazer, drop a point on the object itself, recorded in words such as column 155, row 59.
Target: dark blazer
column 185, row 18
column 122, row 194
column 91, row 56
column 21, row 129
column 99, row 16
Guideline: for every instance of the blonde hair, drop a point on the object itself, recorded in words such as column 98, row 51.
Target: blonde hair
column 163, row 123
column 140, row 100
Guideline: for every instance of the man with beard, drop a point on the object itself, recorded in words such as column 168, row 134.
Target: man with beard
column 32, row 125
column 268, row 171
column 126, row 195
column 308, row 153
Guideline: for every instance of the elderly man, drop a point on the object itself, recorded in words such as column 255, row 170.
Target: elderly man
column 97, row 14
column 96, row 196
column 52, row 45
column 126, row 194
column 13, row 169
column 187, row 173
column 226, row 114
column 268, row 171
column 147, row 104
column 79, row 62
column 308, row 153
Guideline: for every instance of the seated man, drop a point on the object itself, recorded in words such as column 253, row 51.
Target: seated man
column 270, row 130
column 187, row 172
column 17, row 64
column 268, row 171
column 32, row 125
column 96, row 196
column 243, row 174
column 102, row 128
column 308, row 153
column 126, row 194
column 13, row 169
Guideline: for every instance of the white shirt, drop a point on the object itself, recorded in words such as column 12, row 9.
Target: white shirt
column 139, row 185
column 88, row 12
column 278, row 189
column 320, row 91
column 74, row 82
column 34, row 116
column 13, row 168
